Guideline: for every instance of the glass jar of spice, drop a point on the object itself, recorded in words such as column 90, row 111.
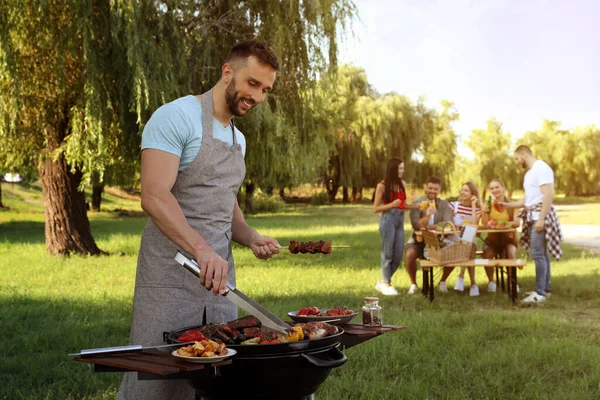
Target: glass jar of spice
column 371, row 312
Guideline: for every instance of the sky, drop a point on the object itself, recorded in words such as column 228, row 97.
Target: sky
column 518, row 61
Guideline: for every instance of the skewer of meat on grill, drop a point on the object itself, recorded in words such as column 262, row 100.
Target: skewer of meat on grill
column 321, row 247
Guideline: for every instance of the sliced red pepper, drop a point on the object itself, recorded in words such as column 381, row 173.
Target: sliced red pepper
column 191, row 335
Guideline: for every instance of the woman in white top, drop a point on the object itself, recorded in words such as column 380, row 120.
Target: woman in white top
column 467, row 210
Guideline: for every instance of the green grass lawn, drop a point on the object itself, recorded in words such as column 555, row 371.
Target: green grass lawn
column 456, row 347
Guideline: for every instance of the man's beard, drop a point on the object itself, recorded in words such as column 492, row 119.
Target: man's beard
column 232, row 99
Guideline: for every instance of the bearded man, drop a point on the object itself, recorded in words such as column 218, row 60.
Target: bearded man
column 192, row 168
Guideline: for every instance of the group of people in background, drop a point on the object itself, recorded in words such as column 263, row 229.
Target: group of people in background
column 540, row 232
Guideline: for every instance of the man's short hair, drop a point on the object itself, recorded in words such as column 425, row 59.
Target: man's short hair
column 522, row 149
column 434, row 179
column 254, row 47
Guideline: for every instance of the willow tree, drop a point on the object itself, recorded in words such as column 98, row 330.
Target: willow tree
column 284, row 138
column 335, row 101
column 493, row 157
column 76, row 79
column 437, row 147
column 573, row 154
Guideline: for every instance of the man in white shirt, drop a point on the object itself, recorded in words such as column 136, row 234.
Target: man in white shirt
column 541, row 229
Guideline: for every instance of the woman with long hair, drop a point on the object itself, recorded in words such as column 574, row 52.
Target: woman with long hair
column 499, row 243
column 390, row 201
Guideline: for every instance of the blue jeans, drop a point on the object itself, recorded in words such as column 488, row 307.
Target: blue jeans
column 541, row 258
column 391, row 229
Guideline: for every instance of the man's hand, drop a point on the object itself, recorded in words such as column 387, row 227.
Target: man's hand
column 213, row 270
column 264, row 246
column 539, row 225
column 430, row 211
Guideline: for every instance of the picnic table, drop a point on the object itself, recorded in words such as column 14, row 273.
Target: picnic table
column 427, row 267
column 500, row 263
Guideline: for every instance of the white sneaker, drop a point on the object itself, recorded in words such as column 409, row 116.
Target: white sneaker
column 518, row 289
column 492, row 287
column 474, row 291
column 389, row 291
column 413, row 289
column 379, row 286
column 460, row 284
column 534, row 298
column 442, row 287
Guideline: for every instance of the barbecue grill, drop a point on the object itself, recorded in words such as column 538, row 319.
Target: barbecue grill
column 290, row 371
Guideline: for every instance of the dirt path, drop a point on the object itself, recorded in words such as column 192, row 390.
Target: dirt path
column 586, row 236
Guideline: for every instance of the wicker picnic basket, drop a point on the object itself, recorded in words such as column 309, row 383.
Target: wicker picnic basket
column 439, row 251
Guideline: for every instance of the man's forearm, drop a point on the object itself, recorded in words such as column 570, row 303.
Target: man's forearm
column 423, row 221
column 242, row 233
column 516, row 204
column 546, row 204
column 168, row 217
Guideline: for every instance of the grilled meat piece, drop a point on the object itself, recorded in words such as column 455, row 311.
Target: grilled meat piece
column 294, row 247
column 211, row 330
column 317, row 330
column 250, row 332
column 262, row 333
column 224, row 336
column 310, row 247
column 234, row 334
column 329, row 329
column 244, row 322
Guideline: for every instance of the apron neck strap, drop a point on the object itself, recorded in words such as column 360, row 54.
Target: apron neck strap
column 207, row 117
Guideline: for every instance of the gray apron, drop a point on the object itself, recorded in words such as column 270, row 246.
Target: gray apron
column 167, row 296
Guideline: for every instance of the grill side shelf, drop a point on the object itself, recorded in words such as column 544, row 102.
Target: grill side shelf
column 151, row 361
column 356, row 333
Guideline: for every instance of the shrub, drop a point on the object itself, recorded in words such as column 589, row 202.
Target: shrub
column 267, row 204
column 320, row 199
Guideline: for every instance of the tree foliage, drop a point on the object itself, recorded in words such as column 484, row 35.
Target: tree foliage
column 79, row 79
column 573, row 154
column 492, row 150
column 437, row 147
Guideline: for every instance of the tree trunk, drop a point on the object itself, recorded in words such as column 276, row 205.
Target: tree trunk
column 332, row 191
column 345, row 194
column 249, row 200
column 67, row 224
column 356, row 194
column 1, row 205
column 97, row 190
column 282, row 193
column 332, row 181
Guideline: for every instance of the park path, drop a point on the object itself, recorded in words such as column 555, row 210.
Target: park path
column 585, row 236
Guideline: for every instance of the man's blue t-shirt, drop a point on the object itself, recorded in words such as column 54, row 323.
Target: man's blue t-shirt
column 176, row 128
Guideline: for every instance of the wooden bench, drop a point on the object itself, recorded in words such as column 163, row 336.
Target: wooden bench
column 428, row 265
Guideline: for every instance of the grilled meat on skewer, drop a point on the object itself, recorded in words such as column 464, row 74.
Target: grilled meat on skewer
column 321, row 247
